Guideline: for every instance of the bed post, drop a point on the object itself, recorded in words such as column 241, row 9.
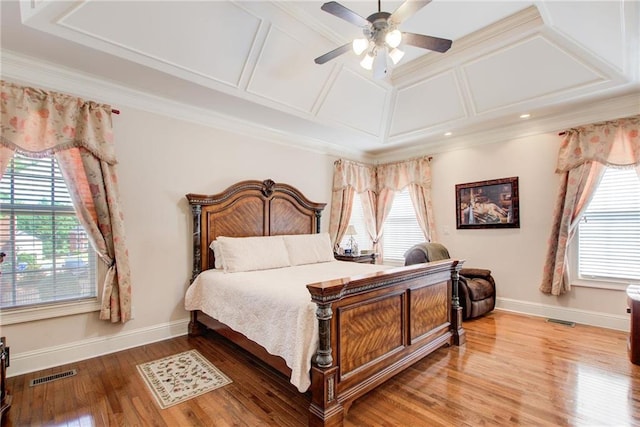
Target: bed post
column 318, row 216
column 196, row 211
column 325, row 410
column 459, row 337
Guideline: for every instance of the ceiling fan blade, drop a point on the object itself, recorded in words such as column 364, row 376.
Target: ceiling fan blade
column 342, row 12
column 335, row 52
column 407, row 9
column 427, row 42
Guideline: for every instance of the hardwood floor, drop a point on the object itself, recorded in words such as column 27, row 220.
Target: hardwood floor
column 514, row 370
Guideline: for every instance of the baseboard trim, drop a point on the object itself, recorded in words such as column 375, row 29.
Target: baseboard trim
column 31, row 361
column 585, row 317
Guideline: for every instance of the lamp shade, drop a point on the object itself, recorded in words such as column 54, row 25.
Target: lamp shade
column 367, row 61
column 393, row 38
column 351, row 231
column 360, row 45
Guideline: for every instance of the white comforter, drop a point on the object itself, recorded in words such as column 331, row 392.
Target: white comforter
column 272, row 307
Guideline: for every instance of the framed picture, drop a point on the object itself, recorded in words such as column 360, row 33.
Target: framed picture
column 488, row 204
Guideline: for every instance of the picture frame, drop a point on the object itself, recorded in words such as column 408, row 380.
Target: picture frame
column 488, row 204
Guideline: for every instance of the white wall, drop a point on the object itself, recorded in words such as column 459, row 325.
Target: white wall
column 516, row 256
column 160, row 160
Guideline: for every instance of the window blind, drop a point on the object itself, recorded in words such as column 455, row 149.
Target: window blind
column 401, row 229
column 609, row 231
column 48, row 258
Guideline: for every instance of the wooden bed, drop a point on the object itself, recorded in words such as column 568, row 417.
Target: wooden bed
column 370, row 328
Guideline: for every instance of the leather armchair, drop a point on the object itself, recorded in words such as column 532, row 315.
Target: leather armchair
column 476, row 287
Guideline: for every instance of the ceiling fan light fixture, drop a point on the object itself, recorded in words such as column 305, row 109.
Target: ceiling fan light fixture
column 360, row 45
column 367, row 61
column 393, row 38
column 396, row 55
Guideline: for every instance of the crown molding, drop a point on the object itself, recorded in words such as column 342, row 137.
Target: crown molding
column 32, row 71
column 626, row 103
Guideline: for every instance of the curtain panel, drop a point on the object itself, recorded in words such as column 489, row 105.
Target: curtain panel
column 79, row 134
column 341, row 208
column 349, row 178
column 584, row 154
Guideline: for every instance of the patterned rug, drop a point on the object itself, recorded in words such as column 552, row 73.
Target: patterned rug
column 180, row 377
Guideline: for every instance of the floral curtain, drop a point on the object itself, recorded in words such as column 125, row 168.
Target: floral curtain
column 376, row 186
column 398, row 175
column 349, row 178
column 79, row 134
column 421, row 199
column 415, row 174
column 614, row 143
column 341, row 208
column 369, row 200
column 583, row 156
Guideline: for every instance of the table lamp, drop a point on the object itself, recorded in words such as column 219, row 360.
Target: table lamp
column 353, row 245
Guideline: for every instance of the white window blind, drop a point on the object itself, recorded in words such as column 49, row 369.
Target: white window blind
column 609, row 232
column 48, row 256
column 357, row 220
column 401, row 229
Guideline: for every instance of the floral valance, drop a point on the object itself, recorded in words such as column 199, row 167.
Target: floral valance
column 38, row 123
column 396, row 176
column 393, row 176
column 612, row 143
column 351, row 174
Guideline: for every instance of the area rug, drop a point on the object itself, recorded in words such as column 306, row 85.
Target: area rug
column 180, row 377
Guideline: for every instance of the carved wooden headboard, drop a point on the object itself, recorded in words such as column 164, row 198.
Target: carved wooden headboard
column 249, row 208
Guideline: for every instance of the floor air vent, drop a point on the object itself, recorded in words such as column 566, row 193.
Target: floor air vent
column 53, row 377
column 562, row 322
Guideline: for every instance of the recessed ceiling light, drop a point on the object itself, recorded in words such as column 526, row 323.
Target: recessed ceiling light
column 448, row 134
column 525, row 116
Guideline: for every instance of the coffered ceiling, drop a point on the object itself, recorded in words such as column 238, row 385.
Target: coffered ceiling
column 251, row 62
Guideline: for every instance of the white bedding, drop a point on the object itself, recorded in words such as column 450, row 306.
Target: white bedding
column 272, row 307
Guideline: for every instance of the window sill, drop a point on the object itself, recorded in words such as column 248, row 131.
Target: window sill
column 29, row 314
column 601, row 284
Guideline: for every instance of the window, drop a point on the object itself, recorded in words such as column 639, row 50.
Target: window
column 357, row 220
column 48, row 256
column 401, row 229
column 609, row 232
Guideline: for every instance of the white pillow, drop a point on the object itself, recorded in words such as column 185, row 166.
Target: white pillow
column 253, row 253
column 309, row 248
column 217, row 255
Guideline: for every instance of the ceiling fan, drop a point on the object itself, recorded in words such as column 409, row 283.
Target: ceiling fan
column 381, row 36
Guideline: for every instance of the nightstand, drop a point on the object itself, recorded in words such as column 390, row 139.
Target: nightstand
column 362, row 259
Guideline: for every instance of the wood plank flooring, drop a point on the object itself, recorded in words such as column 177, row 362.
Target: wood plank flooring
column 514, row 370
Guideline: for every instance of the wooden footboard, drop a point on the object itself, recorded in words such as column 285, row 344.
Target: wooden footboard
column 374, row 327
